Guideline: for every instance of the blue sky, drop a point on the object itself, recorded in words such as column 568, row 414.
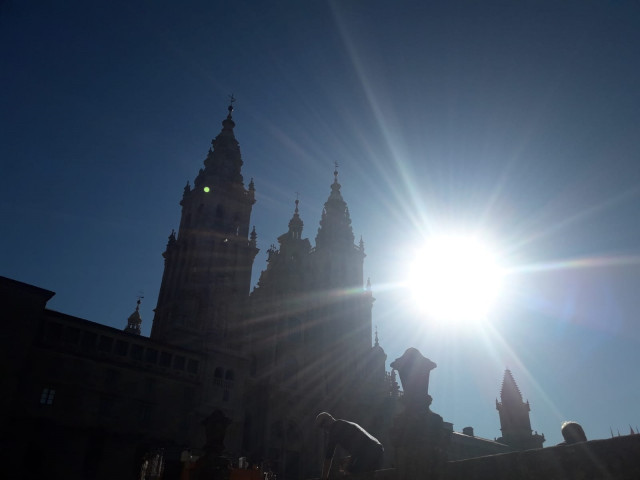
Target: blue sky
column 520, row 120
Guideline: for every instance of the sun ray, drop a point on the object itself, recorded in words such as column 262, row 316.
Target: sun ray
column 578, row 263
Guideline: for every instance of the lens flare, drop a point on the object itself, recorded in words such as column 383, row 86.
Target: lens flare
column 455, row 279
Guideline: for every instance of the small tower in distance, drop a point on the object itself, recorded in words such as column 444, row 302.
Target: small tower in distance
column 514, row 417
column 135, row 321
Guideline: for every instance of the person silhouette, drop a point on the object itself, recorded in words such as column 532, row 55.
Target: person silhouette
column 365, row 450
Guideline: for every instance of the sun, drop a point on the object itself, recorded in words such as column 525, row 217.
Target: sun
column 455, row 279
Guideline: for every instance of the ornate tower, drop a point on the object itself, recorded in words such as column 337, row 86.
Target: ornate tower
column 345, row 313
column 135, row 321
column 280, row 329
column 286, row 265
column 207, row 272
column 514, row 417
column 311, row 340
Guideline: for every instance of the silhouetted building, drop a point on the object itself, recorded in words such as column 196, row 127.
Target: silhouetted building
column 83, row 400
column 514, row 417
column 207, row 275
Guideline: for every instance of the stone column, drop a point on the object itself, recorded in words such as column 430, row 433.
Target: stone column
column 417, row 434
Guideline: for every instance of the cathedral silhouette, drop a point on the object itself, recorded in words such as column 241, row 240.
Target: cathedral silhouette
column 83, row 400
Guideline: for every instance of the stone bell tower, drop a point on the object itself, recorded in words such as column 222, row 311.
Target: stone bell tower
column 207, row 274
column 514, row 417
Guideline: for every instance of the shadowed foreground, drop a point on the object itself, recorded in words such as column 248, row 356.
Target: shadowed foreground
column 616, row 458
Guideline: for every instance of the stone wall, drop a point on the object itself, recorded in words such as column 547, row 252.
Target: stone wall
column 616, row 458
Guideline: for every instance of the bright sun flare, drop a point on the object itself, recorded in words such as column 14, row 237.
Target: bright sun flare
column 455, row 279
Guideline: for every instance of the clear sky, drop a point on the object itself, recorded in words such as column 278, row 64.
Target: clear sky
column 519, row 121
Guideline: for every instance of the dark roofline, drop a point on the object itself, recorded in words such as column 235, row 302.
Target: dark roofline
column 481, row 439
column 9, row 283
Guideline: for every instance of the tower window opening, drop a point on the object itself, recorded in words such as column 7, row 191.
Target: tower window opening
column 47, row 396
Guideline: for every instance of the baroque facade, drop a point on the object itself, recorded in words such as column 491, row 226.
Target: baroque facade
column 90, row 401
column 307, row 347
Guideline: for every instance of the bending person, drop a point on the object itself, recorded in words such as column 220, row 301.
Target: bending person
column 365, row 450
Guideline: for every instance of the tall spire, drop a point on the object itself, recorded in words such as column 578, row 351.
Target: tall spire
column 335, row 225
column 514, row 417
column 207, row 273
column 223, row 162
column 509, row 391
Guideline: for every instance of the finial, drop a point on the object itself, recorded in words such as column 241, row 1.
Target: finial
column 140, row 297
column 232, row 100
column 335, row 172
column 297, row 201
column 376, row 343
column 172, row 239
column 369, row 285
